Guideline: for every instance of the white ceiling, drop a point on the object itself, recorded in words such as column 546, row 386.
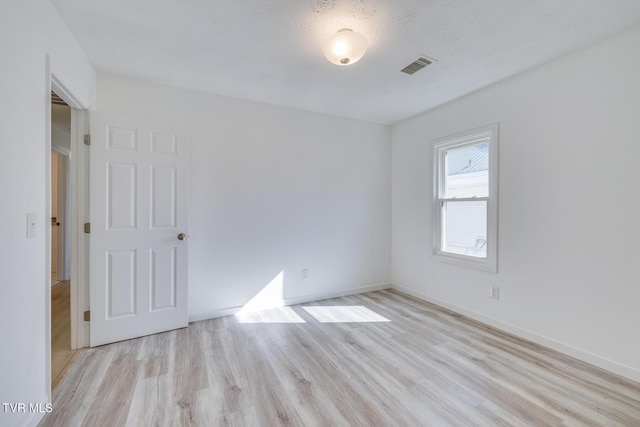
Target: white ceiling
column 271, row 50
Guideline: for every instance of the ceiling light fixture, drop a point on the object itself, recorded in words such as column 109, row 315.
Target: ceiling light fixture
column 345, row 48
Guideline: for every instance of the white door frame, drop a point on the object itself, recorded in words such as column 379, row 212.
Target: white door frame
column 78, row 166
column 79, row 193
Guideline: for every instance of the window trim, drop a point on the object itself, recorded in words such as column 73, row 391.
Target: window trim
column 440, row 145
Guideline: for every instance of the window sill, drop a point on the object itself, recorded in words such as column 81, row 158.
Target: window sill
column 482, row 264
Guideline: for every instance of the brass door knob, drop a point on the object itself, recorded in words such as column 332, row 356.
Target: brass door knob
column 182, row 236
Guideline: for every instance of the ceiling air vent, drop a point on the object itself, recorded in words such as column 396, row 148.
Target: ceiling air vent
column 417, row 65
column 55, row 99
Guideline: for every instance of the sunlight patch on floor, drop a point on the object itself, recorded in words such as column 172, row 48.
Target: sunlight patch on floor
column 344, row 314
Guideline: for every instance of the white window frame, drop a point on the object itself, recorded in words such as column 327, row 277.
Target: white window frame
column 487, row 134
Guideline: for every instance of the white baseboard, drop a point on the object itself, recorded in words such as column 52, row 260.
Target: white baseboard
column 34, row 418
column 229, row 311
column 213, row 314
column 594, row 359
column 352, row 291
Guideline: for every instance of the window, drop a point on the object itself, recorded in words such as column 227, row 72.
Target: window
column 466, row 199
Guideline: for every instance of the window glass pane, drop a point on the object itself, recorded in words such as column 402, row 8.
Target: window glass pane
column 465, row 228
column 467, row 171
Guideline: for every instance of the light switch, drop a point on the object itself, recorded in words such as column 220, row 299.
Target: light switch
column 31, row 225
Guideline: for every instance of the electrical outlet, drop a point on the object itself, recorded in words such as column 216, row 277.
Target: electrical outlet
column 494, row 292
column 304, row 273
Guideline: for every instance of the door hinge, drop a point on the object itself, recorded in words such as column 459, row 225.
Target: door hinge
column 87, row 139
column 87, row 227
column 87, row 316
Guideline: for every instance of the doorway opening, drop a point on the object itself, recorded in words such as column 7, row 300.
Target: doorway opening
column 62, row 355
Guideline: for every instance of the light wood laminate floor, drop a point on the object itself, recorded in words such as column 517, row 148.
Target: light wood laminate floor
column 375, row 359
column 62, row 356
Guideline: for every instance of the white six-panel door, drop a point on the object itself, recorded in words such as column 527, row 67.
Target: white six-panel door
column 138, row 208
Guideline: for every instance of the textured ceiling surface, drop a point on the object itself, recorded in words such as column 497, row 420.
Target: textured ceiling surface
column 270, row 51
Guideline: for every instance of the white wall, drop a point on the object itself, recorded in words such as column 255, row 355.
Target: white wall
column 61, row 144
column 271, row 190
column 60, row 207
column 54, row 214
column 60, row 138
column 29, row 29
column 569, row 234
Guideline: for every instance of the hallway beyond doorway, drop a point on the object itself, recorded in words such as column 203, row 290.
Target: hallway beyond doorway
column 62, row 357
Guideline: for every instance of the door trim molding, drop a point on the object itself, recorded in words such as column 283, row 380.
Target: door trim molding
column 78, row 192
column 47, row 227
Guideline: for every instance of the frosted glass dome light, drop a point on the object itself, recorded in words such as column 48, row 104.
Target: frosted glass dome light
column 345, row 47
